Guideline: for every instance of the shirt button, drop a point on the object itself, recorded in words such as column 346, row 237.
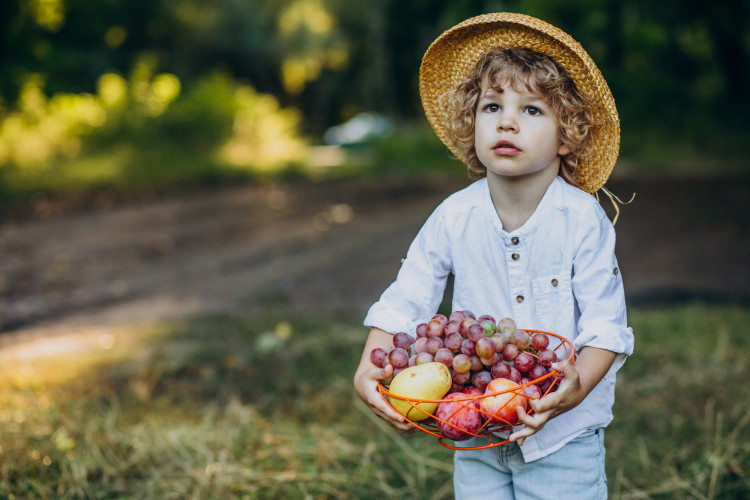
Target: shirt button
column 554, row 281
column 519, row 298
column 514, row 240
column 615, row 271
column 515, row 256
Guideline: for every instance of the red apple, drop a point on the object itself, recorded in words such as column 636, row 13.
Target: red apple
column 501, row 408
column 458, row 420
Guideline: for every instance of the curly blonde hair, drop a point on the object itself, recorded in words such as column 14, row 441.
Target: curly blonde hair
column 522, row 69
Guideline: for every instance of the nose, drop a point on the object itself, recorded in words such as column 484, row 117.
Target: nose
column 507, row 122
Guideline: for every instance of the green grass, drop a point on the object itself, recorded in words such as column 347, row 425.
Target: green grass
column 223, row 407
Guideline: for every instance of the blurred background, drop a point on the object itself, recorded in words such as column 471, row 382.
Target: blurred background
column 147, row 94
column 199, row 200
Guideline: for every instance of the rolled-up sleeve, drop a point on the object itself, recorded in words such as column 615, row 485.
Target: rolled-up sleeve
column 598, row 288
column 419, row 286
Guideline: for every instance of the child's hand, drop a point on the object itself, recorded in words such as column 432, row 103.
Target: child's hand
column 576, row 384
column 366, row 384
column 568, row 395
column 367, row 377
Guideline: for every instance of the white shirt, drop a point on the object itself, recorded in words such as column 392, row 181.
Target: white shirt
column 557, row 273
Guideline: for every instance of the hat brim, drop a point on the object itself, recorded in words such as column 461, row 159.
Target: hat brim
column 454, row 54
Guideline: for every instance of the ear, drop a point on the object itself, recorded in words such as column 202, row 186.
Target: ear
column 563, row 150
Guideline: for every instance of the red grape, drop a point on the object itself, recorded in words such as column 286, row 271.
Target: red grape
column 421, row 330
column 444, row 356
column 457, row 316
column 399, row 358
column 524, row 361
column 452, row 327
column 467, row 347
column 475, row 332
column 484, row 347
column 441, row 318
column 501, row 369
column 412, row 360
column 486, row 317
column 378, row 357
column 521, row 339
column 506, row 326
column 546, row 385
column 473, row 391
column 537, row 371
column 532, row 391
column 547, row 357
column 433, row 344
column 481, row 379
column 456, row 388
column 420, row 345
column 424, row 357
column 453, row 341
column 476, row 363
column 539, row 341
column 469, row 314
column 491, row 360
column 435, row 328
column 403, row 340
column 465, row 324
column 510, row 351
column 460, row 377
column 462, row 363
column 515, row 375
column 499, row 341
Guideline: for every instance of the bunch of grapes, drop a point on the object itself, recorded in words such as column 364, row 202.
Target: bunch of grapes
column 476, row 350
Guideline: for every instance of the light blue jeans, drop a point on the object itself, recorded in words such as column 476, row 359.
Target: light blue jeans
column 575, row 471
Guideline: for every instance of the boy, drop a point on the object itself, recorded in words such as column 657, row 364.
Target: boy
column 523, row 105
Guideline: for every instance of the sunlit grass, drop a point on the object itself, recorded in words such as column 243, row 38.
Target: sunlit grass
column 682, row 426
column 263, row 408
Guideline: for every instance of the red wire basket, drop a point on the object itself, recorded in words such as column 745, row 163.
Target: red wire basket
column 494, row 423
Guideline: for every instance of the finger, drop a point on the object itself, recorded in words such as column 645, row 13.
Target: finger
column 385, row 410
column 535, row 421
column 567, row 371
column 532, row 425
column 520, row 436
column 541, row 405
column 518, row 440
column 396, row 420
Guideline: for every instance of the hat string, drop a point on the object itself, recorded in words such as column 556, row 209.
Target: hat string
column 615, row 200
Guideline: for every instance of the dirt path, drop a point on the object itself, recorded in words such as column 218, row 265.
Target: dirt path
column 331, row 245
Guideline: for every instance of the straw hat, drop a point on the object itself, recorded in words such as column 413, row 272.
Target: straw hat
column 453, row 55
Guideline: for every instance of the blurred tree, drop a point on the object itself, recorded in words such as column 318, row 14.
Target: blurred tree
column 334, row 58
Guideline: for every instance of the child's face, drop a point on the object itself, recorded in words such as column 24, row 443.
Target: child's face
column 516, row 133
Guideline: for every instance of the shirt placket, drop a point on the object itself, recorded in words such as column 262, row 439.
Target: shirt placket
column 515, row 255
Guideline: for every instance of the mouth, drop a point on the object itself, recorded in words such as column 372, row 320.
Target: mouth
column 506, row 147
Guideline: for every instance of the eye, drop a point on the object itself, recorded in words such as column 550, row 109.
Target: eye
column 492, row 108
column 533, row 110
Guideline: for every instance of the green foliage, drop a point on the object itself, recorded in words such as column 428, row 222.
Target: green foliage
column 666, row 62
column 224, row 89
column 414, row 149
column 144, row 132
column 225, row 407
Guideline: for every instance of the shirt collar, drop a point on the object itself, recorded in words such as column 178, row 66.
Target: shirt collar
column 541, row 211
